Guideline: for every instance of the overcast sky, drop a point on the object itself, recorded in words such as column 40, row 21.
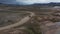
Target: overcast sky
column 37, row 1
column 27, row 1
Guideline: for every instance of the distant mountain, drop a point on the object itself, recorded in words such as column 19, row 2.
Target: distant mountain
column 47, row 4
column 36, row 4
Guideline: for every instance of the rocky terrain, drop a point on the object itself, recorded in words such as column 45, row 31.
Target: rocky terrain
column 45, row 21
column 10, row 18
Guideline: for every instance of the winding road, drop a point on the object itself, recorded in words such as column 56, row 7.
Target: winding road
column 22, row 21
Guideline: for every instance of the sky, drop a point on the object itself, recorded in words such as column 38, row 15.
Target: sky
column 27, row 1
column 8, row 1
column 36, row 1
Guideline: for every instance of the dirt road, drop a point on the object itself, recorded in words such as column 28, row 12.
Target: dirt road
column 24, row 20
